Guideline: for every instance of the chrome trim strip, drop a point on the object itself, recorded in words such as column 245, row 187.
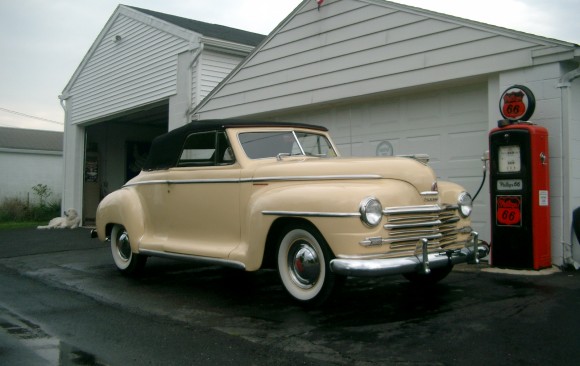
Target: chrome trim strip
column 261, row 180
column 450, row 207
column 452, row 220
column 418, row 218
column 373, row 241
column 412, row 225
column 417, row 231
column 194, row 258
column 145, row 183
column 318, row 177
column 311, row 214
column 429, row 193
column 185, row 181
column 412, row 209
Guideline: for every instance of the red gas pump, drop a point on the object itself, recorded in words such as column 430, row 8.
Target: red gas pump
column 519, row 186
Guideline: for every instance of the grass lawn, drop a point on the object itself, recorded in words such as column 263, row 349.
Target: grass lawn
column 20, row 224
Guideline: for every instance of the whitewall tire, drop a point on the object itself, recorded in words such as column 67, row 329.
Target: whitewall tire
column 303, row 259
column 127, row 262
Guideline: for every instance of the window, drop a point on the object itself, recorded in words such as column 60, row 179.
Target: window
column 258, row 145
column 206, row 149
column 315, row 145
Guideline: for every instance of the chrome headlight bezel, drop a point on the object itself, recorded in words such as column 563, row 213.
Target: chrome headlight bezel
column 465, row 203
column 371, row 211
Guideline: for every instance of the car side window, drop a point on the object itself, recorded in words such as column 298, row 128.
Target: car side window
column 206, row 149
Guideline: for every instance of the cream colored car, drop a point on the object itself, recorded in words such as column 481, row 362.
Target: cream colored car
column 253, row 195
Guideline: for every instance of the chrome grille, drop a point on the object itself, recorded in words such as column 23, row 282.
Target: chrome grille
column 408, row 225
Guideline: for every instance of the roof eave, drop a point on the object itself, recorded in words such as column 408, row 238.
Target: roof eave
column 222, row 45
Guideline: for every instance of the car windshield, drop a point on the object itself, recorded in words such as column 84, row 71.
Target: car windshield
column 259, row 145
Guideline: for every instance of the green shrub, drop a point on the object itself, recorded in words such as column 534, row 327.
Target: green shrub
column 17, row 210
column 13, row 209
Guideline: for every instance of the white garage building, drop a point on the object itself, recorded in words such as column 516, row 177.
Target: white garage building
column 28, row 158
column 383, row 77
column 143, row 76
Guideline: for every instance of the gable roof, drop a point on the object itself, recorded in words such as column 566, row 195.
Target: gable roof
column 184, row 28
column 31, row 140
column 351, row 48
column 208, row 29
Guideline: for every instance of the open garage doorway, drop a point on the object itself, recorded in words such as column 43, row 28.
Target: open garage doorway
column 115, row 150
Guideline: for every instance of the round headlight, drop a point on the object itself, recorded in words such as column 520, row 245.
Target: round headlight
column 371, row 211
column 465, row 204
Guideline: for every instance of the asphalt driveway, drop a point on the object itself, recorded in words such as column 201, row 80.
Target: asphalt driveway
column 65, row 284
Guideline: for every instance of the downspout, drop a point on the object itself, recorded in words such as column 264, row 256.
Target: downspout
column 62, row 98
column 566, row 95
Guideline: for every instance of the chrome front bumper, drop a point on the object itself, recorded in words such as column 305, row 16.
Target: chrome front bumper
column 422, row 263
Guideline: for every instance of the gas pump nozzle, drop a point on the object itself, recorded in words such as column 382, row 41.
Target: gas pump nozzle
column 485, row 159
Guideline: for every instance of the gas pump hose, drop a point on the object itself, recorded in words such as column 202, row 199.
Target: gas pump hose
column 481, row 185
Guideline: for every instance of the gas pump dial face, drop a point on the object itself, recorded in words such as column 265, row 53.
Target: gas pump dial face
column 509, row 159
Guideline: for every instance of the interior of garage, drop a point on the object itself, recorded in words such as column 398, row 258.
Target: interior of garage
column 115, row 150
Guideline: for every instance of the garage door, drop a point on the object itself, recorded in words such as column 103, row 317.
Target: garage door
column 450, row 125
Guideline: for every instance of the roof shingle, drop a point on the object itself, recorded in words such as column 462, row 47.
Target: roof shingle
column 208, row 29
column 24, row 139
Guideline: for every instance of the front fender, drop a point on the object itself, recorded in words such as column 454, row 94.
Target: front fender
column 449, row 192
column 121, row 207
column 332, row 207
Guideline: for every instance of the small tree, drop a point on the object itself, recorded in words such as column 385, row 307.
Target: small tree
column 43, row 192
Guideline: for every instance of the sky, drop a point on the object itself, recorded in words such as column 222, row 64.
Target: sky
column 42, row 42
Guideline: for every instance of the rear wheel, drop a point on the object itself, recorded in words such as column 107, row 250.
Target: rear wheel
column 127, row 262
column 304, row 265
column 436, row 275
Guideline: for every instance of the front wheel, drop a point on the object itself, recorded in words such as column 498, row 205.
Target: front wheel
column 303, row 265
column 127, row 262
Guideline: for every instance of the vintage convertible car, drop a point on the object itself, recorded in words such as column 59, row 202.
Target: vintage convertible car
column 253, row 195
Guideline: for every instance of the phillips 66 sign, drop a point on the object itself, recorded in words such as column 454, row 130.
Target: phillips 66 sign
column 517, row 103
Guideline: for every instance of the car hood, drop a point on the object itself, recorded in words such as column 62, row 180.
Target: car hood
column 405, row 169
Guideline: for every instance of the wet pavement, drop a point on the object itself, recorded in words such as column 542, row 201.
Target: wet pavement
column 63, row 303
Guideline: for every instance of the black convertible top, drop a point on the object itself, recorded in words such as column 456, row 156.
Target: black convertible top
column 166, row 148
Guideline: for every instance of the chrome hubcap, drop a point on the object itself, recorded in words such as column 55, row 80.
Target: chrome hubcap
column 304, row 264
column 124, row 246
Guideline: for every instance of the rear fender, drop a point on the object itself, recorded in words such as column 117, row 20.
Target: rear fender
column 121, row 207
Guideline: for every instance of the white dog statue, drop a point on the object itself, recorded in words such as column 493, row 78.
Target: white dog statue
column 70, row 220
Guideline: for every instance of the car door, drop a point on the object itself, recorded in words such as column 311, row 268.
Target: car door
column 203, row 198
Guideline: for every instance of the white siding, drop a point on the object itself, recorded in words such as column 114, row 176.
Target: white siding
column 214, row 68
column 140, row 68
column 352, row 48
column 21, row 171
